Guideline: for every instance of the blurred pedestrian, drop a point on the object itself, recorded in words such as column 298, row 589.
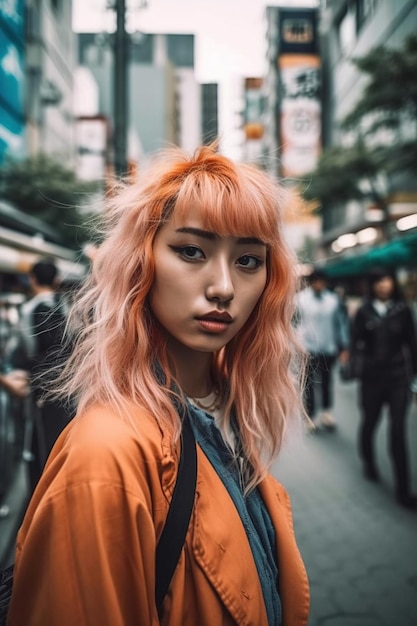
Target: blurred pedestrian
column 384, row 343
column 323, row 325
column 41, row 349
column 16, row 382
column 185, row 319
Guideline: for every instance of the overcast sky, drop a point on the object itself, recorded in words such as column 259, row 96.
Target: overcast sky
column 230, row 34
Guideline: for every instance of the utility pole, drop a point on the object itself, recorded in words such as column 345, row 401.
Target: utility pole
column 120, row 94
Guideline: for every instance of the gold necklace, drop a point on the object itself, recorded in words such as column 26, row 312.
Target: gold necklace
column 215, row 405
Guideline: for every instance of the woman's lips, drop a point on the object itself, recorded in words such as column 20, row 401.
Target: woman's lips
column 215, row 322
column 213, row 326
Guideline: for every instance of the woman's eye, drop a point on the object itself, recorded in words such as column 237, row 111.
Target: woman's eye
column 190, row 253
column 250, row 262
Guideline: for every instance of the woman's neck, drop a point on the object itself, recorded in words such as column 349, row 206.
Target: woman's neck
column 193, row 370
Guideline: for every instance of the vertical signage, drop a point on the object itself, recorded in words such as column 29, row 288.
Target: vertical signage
column 299, row 95
column 12, row 77
column 253, row 108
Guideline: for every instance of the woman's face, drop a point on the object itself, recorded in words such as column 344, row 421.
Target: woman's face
column 205, row 286
column 384, row 288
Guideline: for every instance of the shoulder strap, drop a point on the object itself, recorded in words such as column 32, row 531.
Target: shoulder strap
column 173, row 535
column 6, row 586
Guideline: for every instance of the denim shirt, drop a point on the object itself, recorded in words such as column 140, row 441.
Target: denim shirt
column 253, row 513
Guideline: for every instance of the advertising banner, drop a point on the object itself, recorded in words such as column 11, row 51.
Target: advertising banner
column 300, row 113
column 11, row 16
column 253, row 108
column 12, row 78
column 299, row 92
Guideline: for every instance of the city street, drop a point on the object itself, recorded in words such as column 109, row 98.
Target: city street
column 359, row 546
column 168, row 167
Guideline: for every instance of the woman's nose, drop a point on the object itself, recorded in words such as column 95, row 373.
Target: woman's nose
column 220, row 286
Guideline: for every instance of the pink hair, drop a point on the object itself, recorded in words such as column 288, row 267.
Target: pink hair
column 118, row 343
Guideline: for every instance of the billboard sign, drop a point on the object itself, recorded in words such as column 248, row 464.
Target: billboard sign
column 12, row 77
column 300, row 93
column 11, row 16
column 298, row 31
column 253, row 126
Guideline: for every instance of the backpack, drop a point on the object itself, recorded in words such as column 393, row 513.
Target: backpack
column 41, row 335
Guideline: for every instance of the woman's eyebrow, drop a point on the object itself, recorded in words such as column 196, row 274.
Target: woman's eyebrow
column 208, row 234
column 251, row 240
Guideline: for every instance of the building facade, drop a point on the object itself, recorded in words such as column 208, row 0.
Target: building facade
column 164, row 98
column 308, row 96
column 350, row 30
column 50, row 65
column 36, row 78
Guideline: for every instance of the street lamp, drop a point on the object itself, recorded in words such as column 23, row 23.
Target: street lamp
column 121, row 111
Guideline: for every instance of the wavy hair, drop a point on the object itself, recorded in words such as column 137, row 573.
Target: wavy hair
column 118, row 343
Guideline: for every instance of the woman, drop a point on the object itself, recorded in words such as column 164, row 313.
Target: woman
column 384, row 343
column 189, row 304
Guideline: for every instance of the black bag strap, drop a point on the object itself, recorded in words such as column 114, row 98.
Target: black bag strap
column 173, row 535
column 6, row 586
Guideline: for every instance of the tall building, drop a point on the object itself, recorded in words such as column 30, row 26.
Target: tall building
column 163, row 94
column 50, row 64
column 350, row 30
column 36, row 74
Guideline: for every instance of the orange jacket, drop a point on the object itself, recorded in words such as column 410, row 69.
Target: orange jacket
column 85, row 553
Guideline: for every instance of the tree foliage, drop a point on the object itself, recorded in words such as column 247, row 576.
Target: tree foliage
column 338, row 171
column 390, row 95
column 388, row 104
column 45, row 188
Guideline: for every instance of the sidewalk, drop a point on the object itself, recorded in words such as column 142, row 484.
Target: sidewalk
column 359, row 546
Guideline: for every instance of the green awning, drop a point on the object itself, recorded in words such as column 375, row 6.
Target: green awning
column 401, row 252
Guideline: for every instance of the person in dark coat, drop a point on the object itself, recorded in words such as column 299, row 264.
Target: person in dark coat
column 384, row 342
column 42, row 327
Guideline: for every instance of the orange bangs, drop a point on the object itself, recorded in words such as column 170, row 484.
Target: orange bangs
column 233, row 199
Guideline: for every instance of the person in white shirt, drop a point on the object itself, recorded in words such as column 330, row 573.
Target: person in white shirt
column 323, row 326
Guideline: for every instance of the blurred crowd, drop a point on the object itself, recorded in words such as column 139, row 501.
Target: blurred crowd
column 375, row 343
column 33, row 310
